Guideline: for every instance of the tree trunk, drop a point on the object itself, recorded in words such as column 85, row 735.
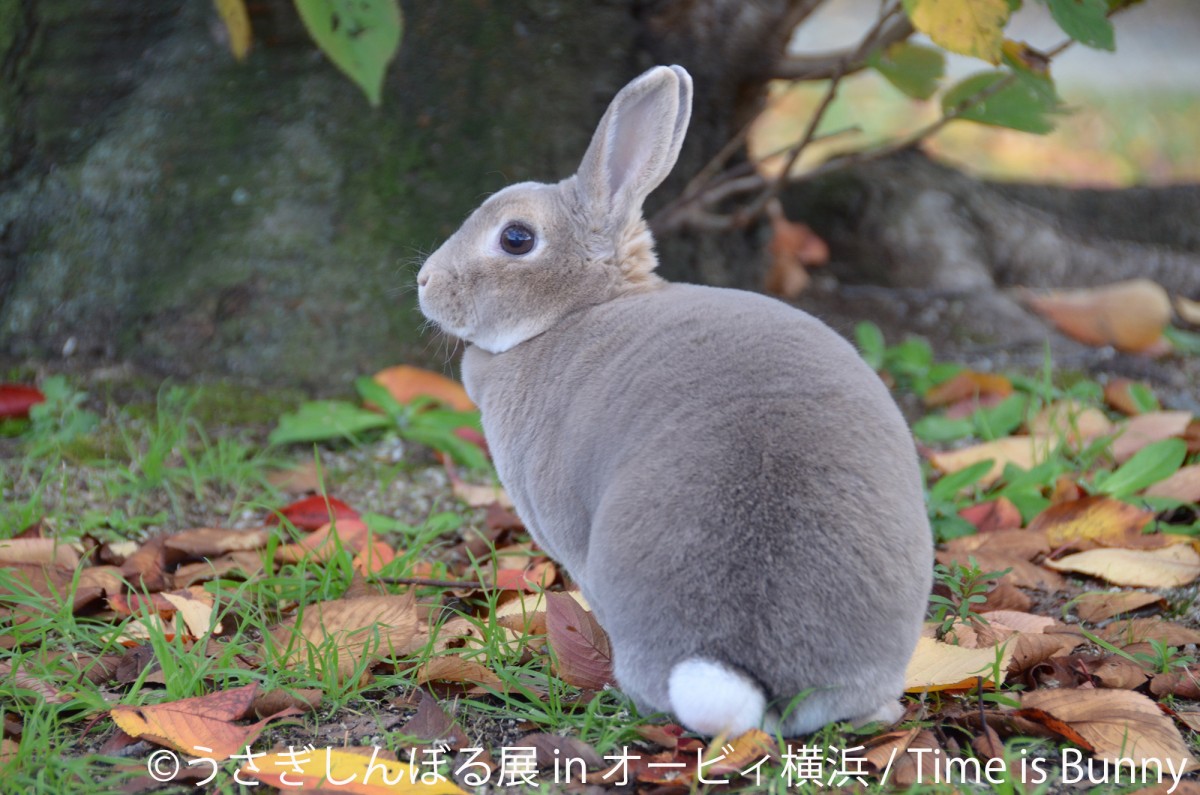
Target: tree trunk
column 164, row 202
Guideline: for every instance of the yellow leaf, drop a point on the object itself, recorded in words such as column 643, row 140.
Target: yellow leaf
column 1119, row 724
column 967, row 27
column 940, row 666
column 1096, row 522
column 1128, row 315
column 237, row 22
column 1169, row 567
column 339, row 770
column 1024, row 451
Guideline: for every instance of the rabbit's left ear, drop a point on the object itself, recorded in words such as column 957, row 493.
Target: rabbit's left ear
column 637, row 143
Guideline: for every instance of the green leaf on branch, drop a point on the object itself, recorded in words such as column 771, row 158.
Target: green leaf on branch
column 913, row 69
column 1085, row 21
column 1025, row 102
column 967, row 27
column 322, row 420
column 360, row 36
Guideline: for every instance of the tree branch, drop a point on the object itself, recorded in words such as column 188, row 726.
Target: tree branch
column 825, row 65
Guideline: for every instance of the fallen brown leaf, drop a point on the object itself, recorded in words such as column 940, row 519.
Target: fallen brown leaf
column 1146, row 429
column 44, row 551
column 1144, row 630
column 1022, row 451
column 350, row 630
column 194, row 723
column 1117, row 672
column 1117, row 394
column 1189, row 310
column 1096, row 522
column 967, row 384
column 211, row 542
column 1183, row 485
column 993, row 515
column 1168, row 567
column 1119, row 724
column 1097, row 606
column 940, row 666
column 275, row 701
column 581, row 648
column 1129, row 315
column 1070, row 421
column 323, row 543
column 451, row 668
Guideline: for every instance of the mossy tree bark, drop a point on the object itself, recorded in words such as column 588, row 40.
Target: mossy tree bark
column 160, row 201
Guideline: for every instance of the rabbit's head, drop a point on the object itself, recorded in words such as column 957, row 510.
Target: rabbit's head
column 533, row 253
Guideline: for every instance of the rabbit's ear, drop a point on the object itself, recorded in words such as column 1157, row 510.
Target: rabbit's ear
column 637, row 142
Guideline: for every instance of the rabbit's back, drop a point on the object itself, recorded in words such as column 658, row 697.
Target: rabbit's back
column 726, row 479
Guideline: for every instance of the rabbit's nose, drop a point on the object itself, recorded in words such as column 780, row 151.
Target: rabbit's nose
column 422, row 278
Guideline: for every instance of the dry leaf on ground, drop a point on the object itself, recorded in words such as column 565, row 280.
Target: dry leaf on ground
column 1096, row 522
column 369, row 627
column 582, row 652
column 967, row 385
column 193, row 723
column 1119, row 395
column 1169, row 567
column 44, row 551
column 1146, row 429
column 1119, row 724
column 940, row 666
column 1071, row 421
column 993, row 515
column 1097, row 606
column 1022, row 451
column 1143, row 630
column 1183, row 485
column 1129, row 315
column 323, row 543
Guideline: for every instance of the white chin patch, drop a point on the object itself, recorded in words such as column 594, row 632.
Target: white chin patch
column 501, row 341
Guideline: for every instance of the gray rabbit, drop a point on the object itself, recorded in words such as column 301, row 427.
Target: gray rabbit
column 731, row 485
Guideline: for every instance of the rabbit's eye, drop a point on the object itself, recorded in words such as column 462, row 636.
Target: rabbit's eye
column 516, row 239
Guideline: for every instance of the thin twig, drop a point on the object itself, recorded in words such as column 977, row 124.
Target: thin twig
column 474, row 584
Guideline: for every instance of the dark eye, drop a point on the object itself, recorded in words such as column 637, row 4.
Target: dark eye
column 516, row 239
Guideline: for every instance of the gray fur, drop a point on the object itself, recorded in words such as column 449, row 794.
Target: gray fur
column 721, row 473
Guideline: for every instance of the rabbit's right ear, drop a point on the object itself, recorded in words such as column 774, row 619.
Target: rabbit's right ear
column 637, row 143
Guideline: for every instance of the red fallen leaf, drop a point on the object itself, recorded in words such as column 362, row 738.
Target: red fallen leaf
column 968, row 406
column 17, row 399
column 530, row 579
column 998, row 514
column 1059, row 727
column 584, row 656
column 313, row 512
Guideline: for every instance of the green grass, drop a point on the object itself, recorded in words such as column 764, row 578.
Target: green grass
column 163, row 468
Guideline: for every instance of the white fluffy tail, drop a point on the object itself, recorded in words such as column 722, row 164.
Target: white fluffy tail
column 711, row 699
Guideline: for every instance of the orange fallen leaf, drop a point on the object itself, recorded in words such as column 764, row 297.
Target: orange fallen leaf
column 581, row 647
column 1146, row 429
column 965, row 385
column 1118, row 724
column 1096, row 522
column 1128, row 315
column 192, row 724
column 374, row 557
column 406, row 383
column 1168, row 567
column 794, row 248
column 452, row 668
